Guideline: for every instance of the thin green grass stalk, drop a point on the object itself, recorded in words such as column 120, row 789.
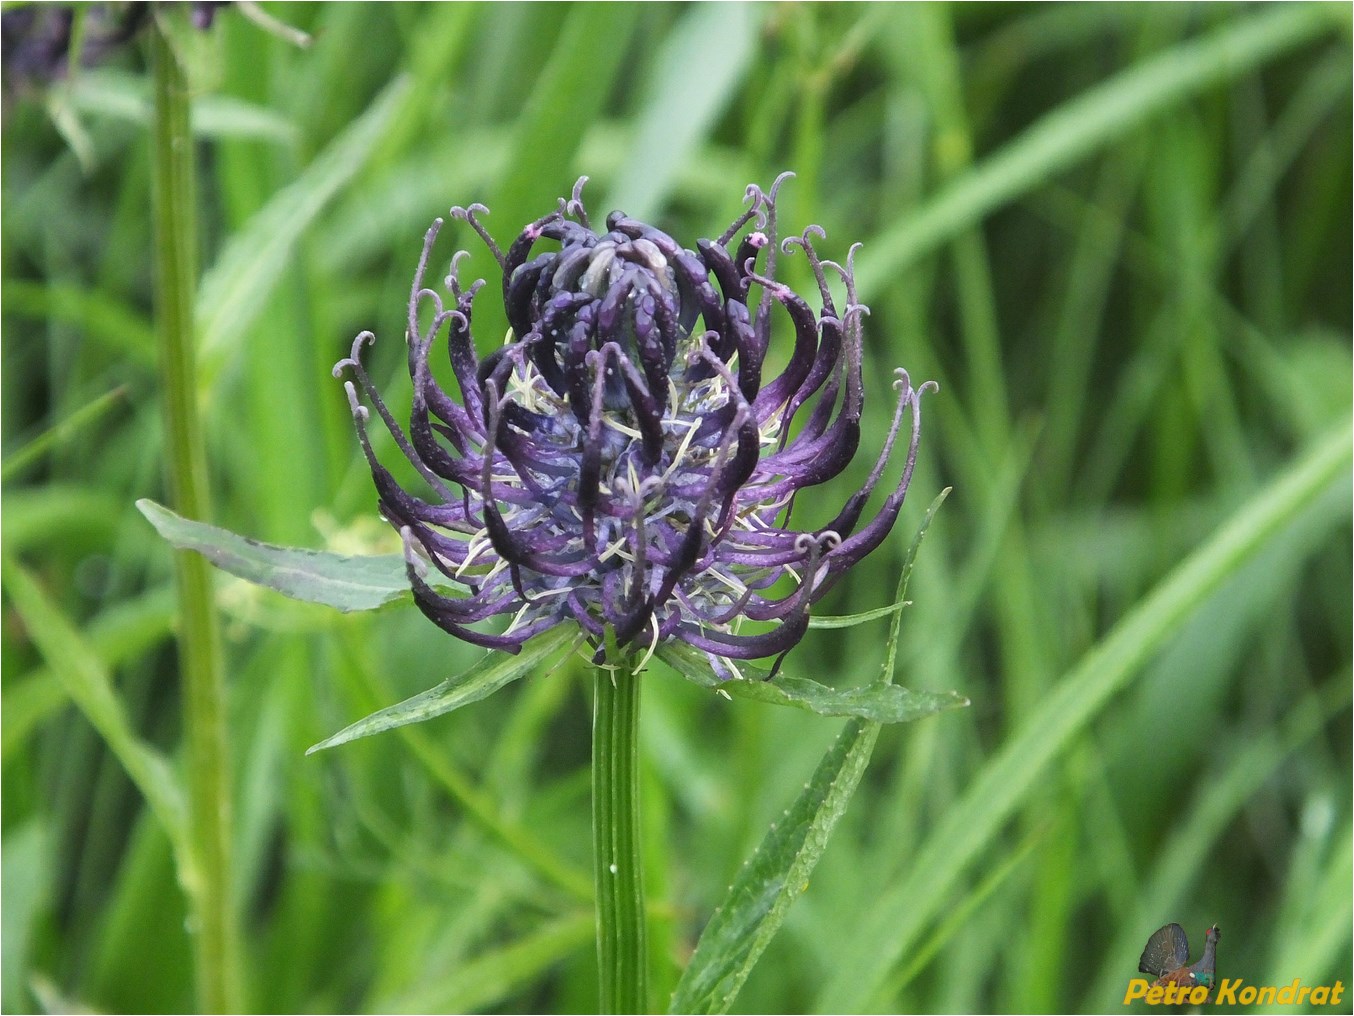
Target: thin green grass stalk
column 115, row 635
column 87, row 682
column 488, row 980
column 693, row 77
column 1221, row 796
column 1088, row 121
column 85, row 416
column 618, row 864
column 955, row 922
column 1097, row 249
column 906, row 908
column 525, row 846
column 212, row 921
column 980, row 335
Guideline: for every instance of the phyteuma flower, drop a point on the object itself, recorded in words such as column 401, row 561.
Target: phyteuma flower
column 620, row 462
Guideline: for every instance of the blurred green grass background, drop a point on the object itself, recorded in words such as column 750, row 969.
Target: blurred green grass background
column 1117, row 235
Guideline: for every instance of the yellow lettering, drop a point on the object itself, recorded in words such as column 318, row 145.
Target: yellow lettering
column 1232, row 991
column 1227, row 990
column 1137, row 988
column 1154, row 994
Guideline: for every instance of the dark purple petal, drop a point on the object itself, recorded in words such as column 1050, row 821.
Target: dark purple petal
column 617, row 466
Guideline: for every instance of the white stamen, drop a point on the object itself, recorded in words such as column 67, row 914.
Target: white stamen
column 474, row 547
column 653, row 645
column 617, row 549
column 614, row 424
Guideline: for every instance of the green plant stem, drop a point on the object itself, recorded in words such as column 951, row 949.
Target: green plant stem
column 617, row 864
column 208, row 880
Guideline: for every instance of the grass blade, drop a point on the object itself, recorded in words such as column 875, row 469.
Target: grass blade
column 489, row 980
column 485, row 678
column 252, row 263
column 62, row 432
column 904, row 912
column 1081, row 125
column 694, row 79
column 78, row 667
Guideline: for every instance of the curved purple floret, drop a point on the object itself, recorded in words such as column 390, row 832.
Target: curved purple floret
column 621, row 462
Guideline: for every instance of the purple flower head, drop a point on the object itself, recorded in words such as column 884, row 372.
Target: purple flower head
column 35, row 39
column 621, row 462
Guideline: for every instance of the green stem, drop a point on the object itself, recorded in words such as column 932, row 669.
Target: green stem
column 207, row 880
column 617, row 864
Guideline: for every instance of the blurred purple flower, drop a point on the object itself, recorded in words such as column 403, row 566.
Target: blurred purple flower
column 621, row 462
column 35, row 39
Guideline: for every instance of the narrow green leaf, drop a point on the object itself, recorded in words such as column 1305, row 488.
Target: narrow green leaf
column 90, row 687
column 909, row 562
column 489, row 980
column 848, row 621
column 882, row 703
column 775, row 876
column 779, row 871
column 72, row 129
column 61, row 432
column 348, row 582
column 485, row 678
column 99, row 315
column 903, row 911
column 30, row 857
column 851, row 620
column 116, row 634
column 972, row 902
column 568, row 95
column 77, row 515
column 119, row 95
column 252, row 263
column 25, row 703
column 1097, row 116
column 1321, row 943
column 694, row 75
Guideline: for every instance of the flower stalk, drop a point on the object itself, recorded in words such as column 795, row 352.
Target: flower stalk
column 625, row 463
column 206, row 873
column 618, row 865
